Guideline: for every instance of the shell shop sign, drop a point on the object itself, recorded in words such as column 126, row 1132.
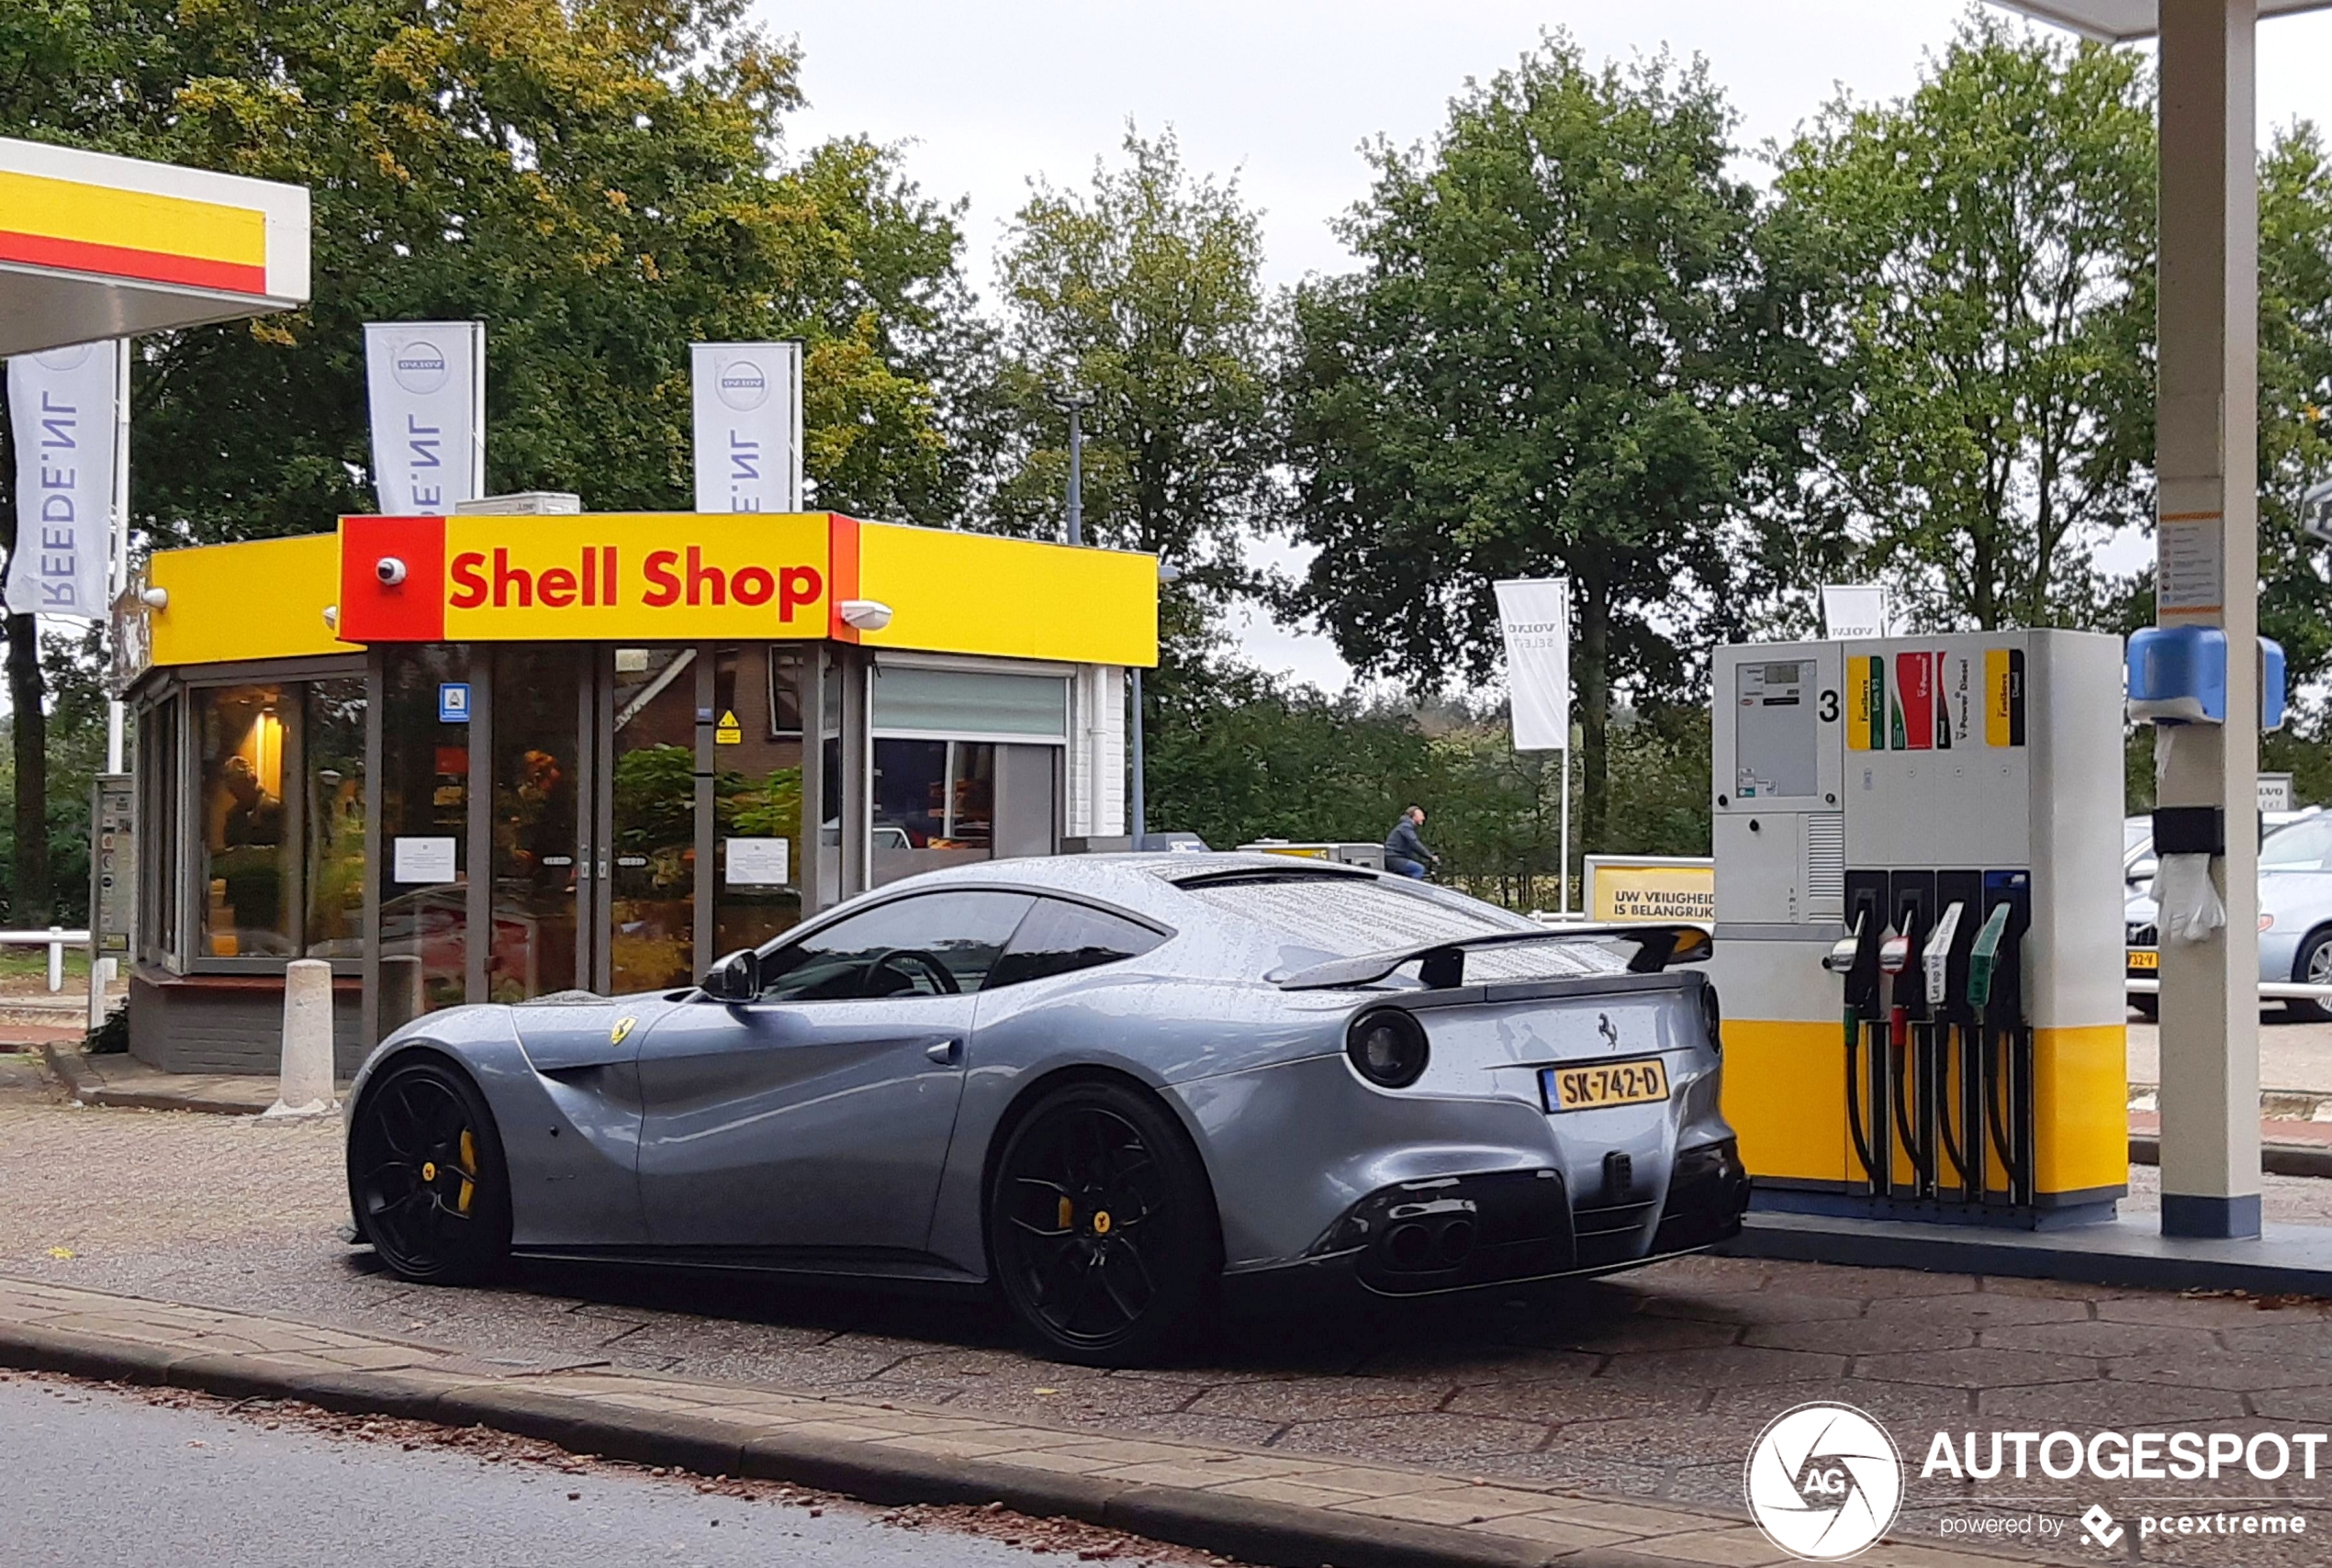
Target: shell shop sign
column 643, row 576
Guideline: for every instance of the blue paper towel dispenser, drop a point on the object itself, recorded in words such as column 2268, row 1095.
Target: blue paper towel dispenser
column 2178, row 676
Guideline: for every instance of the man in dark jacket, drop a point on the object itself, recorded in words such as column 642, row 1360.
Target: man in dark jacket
column 1405, row 852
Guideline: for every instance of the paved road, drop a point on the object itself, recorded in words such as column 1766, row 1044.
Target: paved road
column 2293, row 1055
column 1650, row 1384
column 91, row 1477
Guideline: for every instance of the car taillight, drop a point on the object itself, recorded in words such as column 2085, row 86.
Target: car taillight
column 1387, row 1048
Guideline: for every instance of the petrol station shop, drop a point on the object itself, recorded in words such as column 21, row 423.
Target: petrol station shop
column 494, row 757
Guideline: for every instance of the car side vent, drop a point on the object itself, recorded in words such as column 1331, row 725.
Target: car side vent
column 1826, row 865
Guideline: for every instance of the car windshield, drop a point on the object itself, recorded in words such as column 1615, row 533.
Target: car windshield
column 1343, row 917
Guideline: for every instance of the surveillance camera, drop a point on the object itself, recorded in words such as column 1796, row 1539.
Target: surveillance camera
column 2315, row 513
column 866, row 614
column 389, row 569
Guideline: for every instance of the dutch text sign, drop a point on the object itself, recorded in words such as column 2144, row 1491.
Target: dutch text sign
column 61, row 405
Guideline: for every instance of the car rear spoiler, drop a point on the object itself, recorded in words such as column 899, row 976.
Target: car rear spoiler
column 1442, row 965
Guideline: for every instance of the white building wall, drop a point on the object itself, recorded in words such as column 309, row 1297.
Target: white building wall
column 1097, row 752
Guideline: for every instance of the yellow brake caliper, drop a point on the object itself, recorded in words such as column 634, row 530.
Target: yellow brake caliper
column 1068, row 1214
column 469, row 1172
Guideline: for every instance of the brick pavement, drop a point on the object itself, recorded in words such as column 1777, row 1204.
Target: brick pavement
column 1648, row 1386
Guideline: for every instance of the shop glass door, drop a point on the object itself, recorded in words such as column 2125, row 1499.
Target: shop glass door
column 649, row 818
column 541, row 697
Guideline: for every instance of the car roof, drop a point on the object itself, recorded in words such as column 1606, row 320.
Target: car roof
column 1166, row 888
column 1142, row 882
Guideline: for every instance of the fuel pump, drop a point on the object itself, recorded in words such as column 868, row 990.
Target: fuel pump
column 1883, row 813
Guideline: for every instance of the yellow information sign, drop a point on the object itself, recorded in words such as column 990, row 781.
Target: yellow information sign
column 1650, row 887
column 728, row 731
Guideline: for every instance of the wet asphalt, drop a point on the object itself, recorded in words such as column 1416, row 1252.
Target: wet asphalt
column 93, row 1478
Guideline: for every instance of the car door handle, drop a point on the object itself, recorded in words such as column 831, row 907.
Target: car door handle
column 946, row 1053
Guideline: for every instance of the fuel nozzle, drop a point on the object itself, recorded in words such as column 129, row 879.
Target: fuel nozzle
column 1935, row 960
column 1857, row 958
column 1983, row 958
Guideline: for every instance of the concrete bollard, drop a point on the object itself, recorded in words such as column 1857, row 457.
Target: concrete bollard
column 307, row 1084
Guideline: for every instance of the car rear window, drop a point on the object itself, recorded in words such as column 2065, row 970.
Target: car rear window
column 1343, row 917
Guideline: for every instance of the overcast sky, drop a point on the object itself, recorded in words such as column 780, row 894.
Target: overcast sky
column 1283, row 92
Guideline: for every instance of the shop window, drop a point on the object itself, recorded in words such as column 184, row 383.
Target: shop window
column 934, row 805
column 757, row 802
column 158, row 829
column 246, row 876
column 332, row 817
column 537, row 756
column 425, row 871
column 785, row 691
column 653, row 810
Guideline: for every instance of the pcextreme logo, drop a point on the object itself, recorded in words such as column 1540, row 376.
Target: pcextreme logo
column 480, row 579
column 1823, row 1482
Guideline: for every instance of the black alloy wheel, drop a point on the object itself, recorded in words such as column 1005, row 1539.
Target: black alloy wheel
column 426, row 1176
column 1103, row 1226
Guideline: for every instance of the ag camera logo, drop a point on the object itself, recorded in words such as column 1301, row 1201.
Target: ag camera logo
column 1823, row 1482
column 741, row 385
column 419, row 366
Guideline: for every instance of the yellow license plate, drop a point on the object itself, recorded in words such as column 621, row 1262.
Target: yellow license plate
column 1606, row 1083
column 2145, row 958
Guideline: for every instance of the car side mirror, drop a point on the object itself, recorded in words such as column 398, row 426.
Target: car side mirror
column 736, row 978
column 2141, row 871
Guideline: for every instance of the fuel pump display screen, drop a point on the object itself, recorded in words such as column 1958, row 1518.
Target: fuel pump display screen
column 1776, row 731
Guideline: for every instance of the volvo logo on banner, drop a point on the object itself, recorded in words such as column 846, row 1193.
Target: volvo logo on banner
column 61, row 407
column 426, row 385
column 749, row 426
column 1534, row 614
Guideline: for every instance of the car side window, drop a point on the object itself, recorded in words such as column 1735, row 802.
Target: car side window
column 1059, row 938
column 939, row 944
column 2302, row 846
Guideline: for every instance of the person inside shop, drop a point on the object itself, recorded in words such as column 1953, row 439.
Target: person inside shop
column 1405, row 850
column 248, row 860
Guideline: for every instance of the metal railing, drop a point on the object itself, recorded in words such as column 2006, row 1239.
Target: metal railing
column 2269, row 991
column 57, row 938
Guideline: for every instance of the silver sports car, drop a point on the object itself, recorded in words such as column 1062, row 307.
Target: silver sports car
column 1114, row 1089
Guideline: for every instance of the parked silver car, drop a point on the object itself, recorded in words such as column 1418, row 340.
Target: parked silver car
column 1109, row 1088
column 2296, row 909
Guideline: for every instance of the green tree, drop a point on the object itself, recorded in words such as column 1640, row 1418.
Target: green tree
column 1144, row 291
column 601, row 180
column 1237, row 755
column 1552, row 362
column 1992, row 236
column 2295, row 388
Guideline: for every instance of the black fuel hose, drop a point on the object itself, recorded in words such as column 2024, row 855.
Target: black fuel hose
column 1921, row 1155
column 1942, row 1125
column 2000, row 1115
column 1854, row 1100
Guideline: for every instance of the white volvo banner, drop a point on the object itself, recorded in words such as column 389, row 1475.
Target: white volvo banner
column 1853, row 610
column 1535, row 616
column 749, row 426
column 426, row 385
column 61, row 407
